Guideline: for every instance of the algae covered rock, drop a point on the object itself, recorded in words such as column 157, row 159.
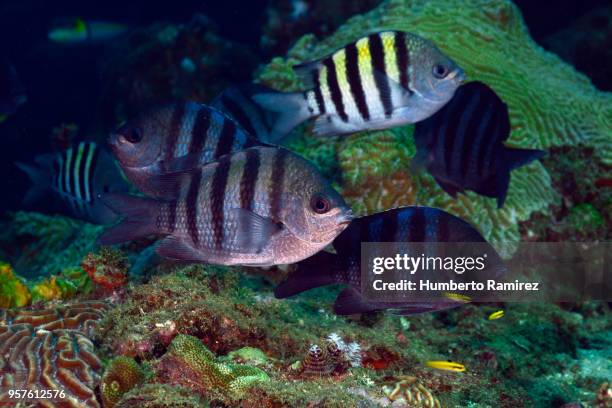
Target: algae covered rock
column 550, row 104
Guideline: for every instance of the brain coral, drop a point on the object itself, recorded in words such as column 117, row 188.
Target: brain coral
column 549, row 103
column 81, row 317
column 58, row 360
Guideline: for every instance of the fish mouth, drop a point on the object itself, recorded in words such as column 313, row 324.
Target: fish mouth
column 459, row 76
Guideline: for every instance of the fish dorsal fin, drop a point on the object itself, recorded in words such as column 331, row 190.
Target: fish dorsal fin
column 305, row 71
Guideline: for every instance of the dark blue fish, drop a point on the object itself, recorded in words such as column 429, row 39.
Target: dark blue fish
column 12, row 91
column 462, row 145
column 236, row 102
column 406, row 224
column 75, row 177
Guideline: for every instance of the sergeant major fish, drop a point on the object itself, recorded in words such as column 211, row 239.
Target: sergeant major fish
column 462, row 144
column 237, row 103
column 174, row 137
column 406, row 224
column 261, row 206
column 380, row 81
column 76, row 176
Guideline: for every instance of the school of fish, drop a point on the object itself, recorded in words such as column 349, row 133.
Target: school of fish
column 219, row 187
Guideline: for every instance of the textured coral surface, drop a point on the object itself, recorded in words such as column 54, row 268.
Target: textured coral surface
column 59, row 360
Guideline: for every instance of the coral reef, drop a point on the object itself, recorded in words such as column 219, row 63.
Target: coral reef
column 161, row 396
column 44, row 245
column 121, row 375
column 82, row 317
column 13, row 291
column 107, row 268
column 410, row 391
column 490, row 41
column 57, row 360
column 603, row 398
column 189, row 363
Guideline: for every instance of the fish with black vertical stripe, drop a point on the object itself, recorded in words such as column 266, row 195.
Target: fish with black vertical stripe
column 237, row 103
column 175, row 137
column 405, row 224
column 75, row 177
column 261, row 206
column 462, row 145
column 382, row 80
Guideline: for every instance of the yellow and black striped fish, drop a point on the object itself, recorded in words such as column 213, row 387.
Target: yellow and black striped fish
column 383, row 80
column 261, row 206
column 76, row 176
column 175, row 137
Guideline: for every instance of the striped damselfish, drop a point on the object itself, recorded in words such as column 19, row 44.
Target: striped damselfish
column 172, row 138
column 462, row 145
column 261, row 206
column 237, row 102
column 404, row 224
column 76, row 176
column 382, row 80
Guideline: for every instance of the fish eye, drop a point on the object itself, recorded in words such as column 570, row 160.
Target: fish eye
column 133, row 135
column 320, row 204
column 440, row 71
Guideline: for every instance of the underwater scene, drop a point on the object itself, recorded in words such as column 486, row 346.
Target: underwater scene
column 306, row 203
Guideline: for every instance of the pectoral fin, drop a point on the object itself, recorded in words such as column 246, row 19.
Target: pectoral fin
column 254, row 230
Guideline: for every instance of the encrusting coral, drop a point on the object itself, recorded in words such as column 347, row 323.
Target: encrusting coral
column 189, row 363
column 550, row 104
column 121, row 375
column 61, row 361
column 411, row 391
column 107, row 267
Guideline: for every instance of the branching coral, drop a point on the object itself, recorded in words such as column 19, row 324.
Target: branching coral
column 121, row 375
column 82, row 317
column 190, row 364
column 410, row 391
column 58, row 360
column 550, row 104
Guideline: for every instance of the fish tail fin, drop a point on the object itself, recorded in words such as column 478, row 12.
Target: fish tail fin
column 311, row 273
column 139, row 218
column 516, row 158
column 350, row 301
column 291, row 109
column 41, row 182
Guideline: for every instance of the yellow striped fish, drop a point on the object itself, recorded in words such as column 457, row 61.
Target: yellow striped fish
column 446, row 365
column 496, row 315
column 76, row 176
column 383, row 80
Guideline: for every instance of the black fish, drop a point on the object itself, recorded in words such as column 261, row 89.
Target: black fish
column 12, row 92
column 76, row 176
column 236, row 102
column 406, row 224
column 462, row 144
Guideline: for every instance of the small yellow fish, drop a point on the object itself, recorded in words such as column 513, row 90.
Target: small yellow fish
column 457, row 297
column 445, row 365
column 496, row 315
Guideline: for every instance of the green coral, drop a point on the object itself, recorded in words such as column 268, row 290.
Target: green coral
column 121, row 376
column 13, row 291
column 249, row 355
column 585, row 217
column 213, row 374
column 550, row 104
